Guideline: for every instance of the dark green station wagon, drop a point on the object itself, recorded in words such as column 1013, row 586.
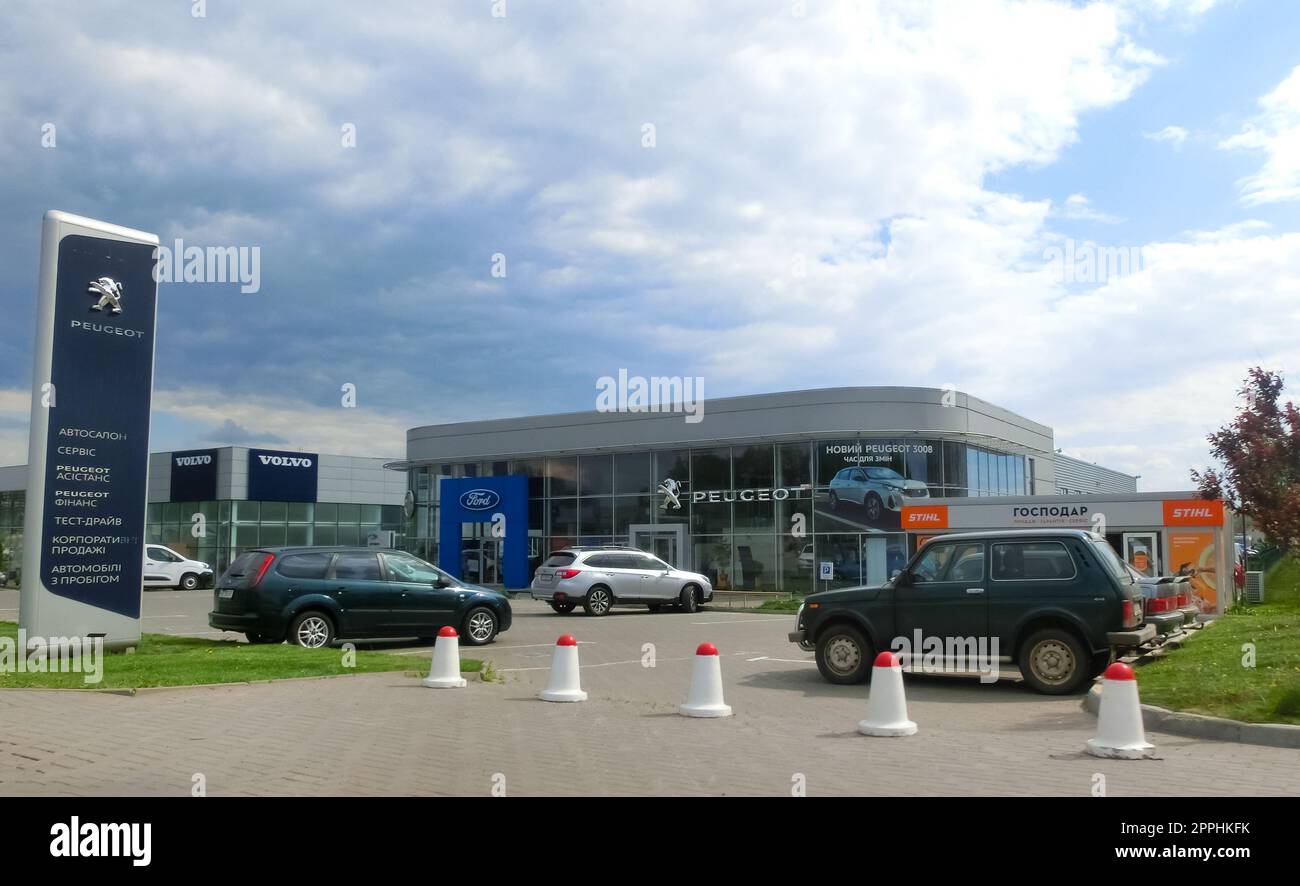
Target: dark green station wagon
column 1058, row 603
column 312, row 596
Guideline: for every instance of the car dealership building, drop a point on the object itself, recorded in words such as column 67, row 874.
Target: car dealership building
column 211, row 504
column 770, row 492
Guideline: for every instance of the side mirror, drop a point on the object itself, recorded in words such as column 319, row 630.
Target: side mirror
column 441, row 583
column 901, row 578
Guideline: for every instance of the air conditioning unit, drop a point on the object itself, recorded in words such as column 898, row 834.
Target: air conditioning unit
column 381, row 538
column 1254, row 586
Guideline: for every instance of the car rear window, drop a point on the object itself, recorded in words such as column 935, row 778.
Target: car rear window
column 241, row 571
column 1030, row 560
column 1107, row 555
column 560, row 558
column 304, row 565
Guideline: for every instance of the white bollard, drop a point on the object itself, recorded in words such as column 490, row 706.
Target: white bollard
column 705, row 699
column 1119, row 718
column 887, row 703
column 564, row 683
column 444, row 671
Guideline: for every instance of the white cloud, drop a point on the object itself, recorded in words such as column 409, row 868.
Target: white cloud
column 1276, row 134
column 1175, row 135
column 1077, row 207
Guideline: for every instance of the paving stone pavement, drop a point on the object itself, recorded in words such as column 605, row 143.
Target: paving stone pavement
column 386, row 734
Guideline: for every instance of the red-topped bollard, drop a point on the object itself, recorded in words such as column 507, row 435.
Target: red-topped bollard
column 444, row 670
column 886, row 703
column 1120, row 734
column 705, row 699
column 564, row 683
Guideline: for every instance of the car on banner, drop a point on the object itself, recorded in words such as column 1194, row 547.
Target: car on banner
column 1060, row 603
column 313, row 596
column 875, row 490
column 600, row 577
column 165, row 568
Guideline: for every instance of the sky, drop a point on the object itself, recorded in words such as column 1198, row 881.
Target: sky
column 465, row 214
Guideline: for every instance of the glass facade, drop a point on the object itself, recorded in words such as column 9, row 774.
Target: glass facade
column 228, row 528
column 11, row 537
column 761, row 516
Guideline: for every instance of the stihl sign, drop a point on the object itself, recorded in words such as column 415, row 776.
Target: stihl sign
column 1194, row 512
column 925, row 517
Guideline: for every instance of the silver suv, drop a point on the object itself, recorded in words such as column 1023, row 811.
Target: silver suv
column 874, row 490
column 600, row 577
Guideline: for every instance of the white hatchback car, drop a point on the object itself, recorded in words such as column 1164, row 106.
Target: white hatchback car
column 164, row 568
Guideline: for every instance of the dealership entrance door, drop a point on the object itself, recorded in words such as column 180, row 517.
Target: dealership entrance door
column 481, row 560
column 667, row 542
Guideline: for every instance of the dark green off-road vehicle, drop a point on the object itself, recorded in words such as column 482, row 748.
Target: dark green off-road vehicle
column 1058, row 603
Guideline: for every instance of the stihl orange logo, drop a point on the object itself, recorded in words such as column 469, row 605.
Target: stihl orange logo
column 1195, row 512
column 925, row 517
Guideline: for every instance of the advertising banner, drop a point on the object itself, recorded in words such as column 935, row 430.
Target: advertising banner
column 194, row 475
column 92, row 382
column 1194, row 554
column 282, row 476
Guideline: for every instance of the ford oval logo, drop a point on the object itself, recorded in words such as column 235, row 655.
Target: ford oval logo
column 479, row 500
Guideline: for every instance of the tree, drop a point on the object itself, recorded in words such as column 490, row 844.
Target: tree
column 1260, row 457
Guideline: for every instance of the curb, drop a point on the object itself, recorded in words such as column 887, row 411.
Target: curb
column 1275, row 735
column 145, row 690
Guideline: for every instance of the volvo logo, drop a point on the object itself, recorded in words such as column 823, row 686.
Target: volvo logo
column 479, row 500
column 284, row 462
column 109, row 292
column 186, row 461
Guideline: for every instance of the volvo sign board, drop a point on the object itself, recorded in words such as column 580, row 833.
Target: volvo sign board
column 282, row 476
column 194, row 475
column 88, row 452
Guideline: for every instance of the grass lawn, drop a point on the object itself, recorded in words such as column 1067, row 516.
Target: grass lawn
column 1206, row 676
column 780, row 605
column 162, row 660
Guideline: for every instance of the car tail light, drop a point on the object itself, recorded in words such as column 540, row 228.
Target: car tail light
column 261, row 570
column 1161, row 604
column 1184, row 600
column 566, row 573
column 1132, row 614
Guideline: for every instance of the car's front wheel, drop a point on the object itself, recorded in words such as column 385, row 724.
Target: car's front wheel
column 189, row 581
column 480, row 626
column 1053, row 662
column 874, row 507
column 843, row 654
column 598, row 601
column 564, row 608
column 689, row 602
column 312, row 630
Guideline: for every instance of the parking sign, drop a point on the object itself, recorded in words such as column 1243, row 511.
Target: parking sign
column 827, row 570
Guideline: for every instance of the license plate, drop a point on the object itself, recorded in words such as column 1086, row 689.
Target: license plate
column 226, row 593
column 545, row 579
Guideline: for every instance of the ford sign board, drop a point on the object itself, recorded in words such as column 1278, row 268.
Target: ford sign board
column 479, row 500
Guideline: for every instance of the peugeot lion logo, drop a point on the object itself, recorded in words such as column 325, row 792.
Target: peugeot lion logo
column 479, row 500
column 670, row 488
column 110, row 295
